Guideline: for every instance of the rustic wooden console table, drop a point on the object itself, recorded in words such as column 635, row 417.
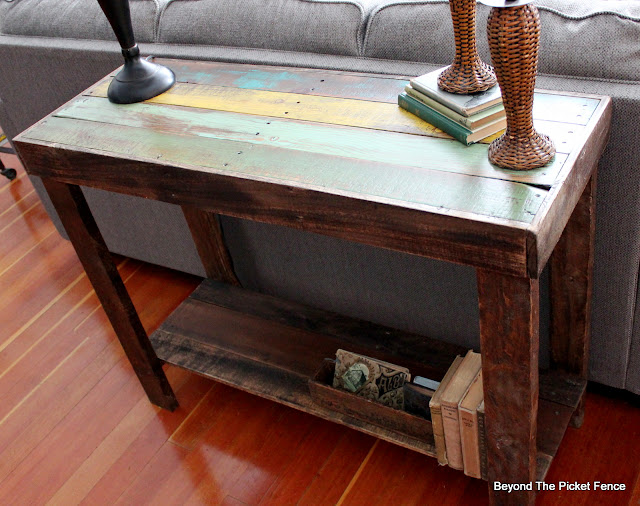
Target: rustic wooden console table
column 330, row 152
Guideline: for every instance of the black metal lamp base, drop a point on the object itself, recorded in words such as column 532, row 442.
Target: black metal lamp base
column 139, row 80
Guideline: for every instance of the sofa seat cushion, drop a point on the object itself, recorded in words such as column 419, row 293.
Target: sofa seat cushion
column 74, row 19
column 595, row 39
column 318, row 26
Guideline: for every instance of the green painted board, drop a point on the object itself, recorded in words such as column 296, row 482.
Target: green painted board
column 372, row 145
column 410, row 187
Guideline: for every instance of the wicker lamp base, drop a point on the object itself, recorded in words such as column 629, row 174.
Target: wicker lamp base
column 466, row 79
column 521, row 153
column 468, row 73
column 513, row 29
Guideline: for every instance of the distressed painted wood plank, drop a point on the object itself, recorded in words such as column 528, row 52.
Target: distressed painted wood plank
column 509, row 320
column 550, row 106
column 338, row 111
column 406, row 186
column 290, row 80
column 364, row 144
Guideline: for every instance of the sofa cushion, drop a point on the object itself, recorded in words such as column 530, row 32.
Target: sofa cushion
column 595, row 39
column 74, row 19
column 319, row 26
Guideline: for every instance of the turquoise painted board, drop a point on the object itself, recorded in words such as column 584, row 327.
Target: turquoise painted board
column 410, row 187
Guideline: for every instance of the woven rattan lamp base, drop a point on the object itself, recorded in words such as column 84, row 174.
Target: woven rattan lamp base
column 514, row 37
column 468, row 74
column 521, row 153
column 467, row 79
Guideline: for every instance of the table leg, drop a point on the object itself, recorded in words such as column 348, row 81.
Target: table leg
column 571, row 287
column 207, row 235
column 509, row 321
column 79, row 224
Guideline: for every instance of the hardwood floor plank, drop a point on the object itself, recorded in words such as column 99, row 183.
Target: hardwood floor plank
column 223, row 453
column 189, row 434
column 139, row 453
column 27, row 360
column 162, row 466
column 35, row 283
column 388, row 473
column 184, row 475
column 25, row 235
column 96, row 333
column 309, row 458
column 49, row 465
column 280, row 445
column 611, row 431
column 112, row 447
column 339, row 469
column 34, row 420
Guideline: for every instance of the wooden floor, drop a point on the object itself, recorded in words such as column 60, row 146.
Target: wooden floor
column 76, row 427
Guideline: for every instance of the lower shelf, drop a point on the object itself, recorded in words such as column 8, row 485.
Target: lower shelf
column 271, row 347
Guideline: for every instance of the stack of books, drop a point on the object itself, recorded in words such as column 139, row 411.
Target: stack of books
column 467, row 118
column 457, row 416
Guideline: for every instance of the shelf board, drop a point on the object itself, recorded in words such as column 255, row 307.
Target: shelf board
column 271, row 347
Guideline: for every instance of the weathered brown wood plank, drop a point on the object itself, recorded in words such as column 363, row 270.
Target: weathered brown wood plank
column 496, row 244
column 207, row 235
column 571, row 290
column 434, row 354
column 509, row 319
column 270, row 382
column 79, row 224
column 272, row 347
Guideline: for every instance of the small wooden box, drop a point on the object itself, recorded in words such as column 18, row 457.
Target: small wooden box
column 323, row 393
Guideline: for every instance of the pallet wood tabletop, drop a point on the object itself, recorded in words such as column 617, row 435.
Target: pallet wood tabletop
column 338, row 145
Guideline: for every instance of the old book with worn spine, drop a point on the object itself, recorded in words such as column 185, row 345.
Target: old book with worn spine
column 371, row 378
column 468, row 414
column 436, row 413
column 462, row 104
column 455, row 130
column 493, row 113
column 482, row 442
column 450, row 399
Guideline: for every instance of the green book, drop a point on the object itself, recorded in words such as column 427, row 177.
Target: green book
column 445, row 124
column 472, row 122
column 462, row 104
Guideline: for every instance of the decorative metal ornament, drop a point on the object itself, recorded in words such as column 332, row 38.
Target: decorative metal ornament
column 513, row 29
column 139, row 79
column 468, row 73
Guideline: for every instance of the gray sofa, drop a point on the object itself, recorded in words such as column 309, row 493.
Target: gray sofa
column 52, row 49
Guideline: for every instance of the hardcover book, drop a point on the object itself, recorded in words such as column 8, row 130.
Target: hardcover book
column 447, row 125
column 416, row 400
column 482, row 441
column 436, row 413
column 371, row 378
column 468, row 413
column 450, row 399
column 493, row 113
column 462, row 104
